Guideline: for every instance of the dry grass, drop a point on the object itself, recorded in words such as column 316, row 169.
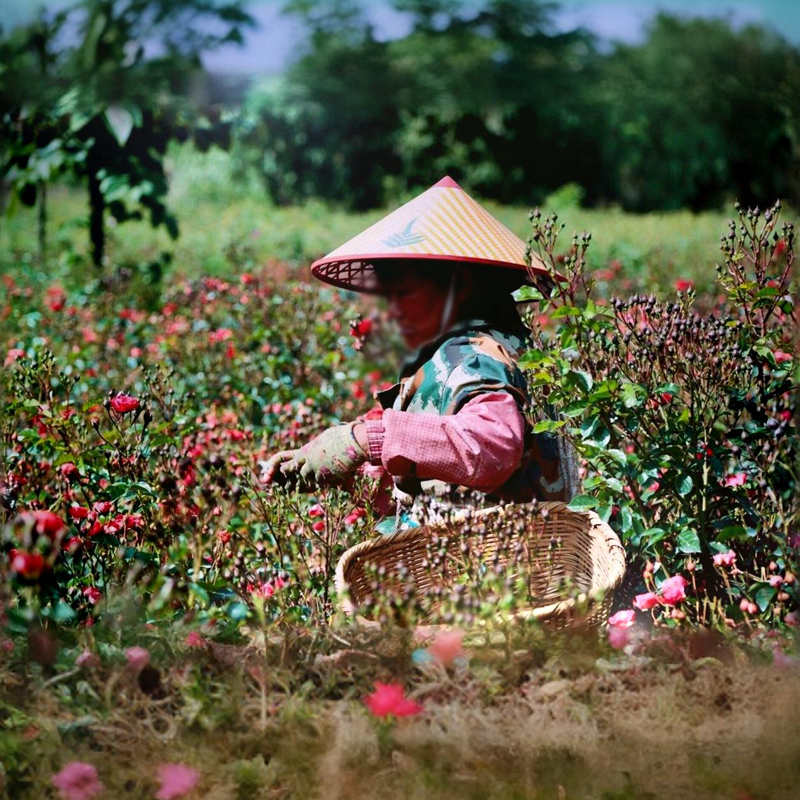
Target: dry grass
column 569, row 722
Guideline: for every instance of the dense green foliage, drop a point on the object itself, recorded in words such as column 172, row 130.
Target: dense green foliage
column 103, row 110
column 492, row 94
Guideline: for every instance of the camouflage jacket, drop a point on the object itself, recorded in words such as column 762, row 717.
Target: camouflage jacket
column 475, row 357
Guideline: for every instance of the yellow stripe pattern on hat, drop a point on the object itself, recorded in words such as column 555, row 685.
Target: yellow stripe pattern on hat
column 443, row 221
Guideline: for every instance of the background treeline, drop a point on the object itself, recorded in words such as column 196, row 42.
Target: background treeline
column 493, row 94
column 489, row 91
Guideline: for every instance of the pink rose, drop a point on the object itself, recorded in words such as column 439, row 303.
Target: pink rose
column 737, row 479
column 124, row 404
column 447, row 647
column 646, row 601
column 45, row 523
column 87, row 659
column 618, row 637
column 138, row 658
column 623, row 619
column 673, row 590
column 194, row 639
column 388, row 699
column 725, row 559
column 77, row 781
column 176, row 780
column 12, row 355
column 92, row 594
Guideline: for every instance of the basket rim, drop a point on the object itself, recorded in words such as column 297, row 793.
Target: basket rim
column 596, row 526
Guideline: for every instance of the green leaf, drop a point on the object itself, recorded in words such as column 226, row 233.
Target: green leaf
column 731, row 532
column 604, row 512
column 574, row 409
column 618, row 456
column 547, row 425
column 588, row 426
column 237, row 612
column 625, row 518
column 764, row 596
column 685, row 485
column 583, row 502
column 120, row 122
column 688, row 541
column 526, row 294
column 63, row 613
column 199, row 592
column 654, row 535
column 565, row 311
column 580, row 378
column 632, row 395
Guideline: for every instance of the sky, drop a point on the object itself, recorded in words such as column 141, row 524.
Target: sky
column 272, row 45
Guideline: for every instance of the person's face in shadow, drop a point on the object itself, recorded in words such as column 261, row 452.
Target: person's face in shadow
column 416, row 294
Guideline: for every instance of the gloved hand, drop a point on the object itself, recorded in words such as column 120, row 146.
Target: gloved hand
column 327, row 460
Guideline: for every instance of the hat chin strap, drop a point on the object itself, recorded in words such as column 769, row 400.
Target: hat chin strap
column 449, row 303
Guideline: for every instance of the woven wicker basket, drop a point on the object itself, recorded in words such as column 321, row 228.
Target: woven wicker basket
column 589, row 557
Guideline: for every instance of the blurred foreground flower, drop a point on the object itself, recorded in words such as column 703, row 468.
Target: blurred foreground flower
column 137, row 657
column 194, row 639
column 176, row 780
column 77, row 781
column 618, row 625
column 388, row 699
column 447, row 648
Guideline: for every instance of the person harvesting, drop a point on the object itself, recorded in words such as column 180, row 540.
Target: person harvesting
column 459, row 413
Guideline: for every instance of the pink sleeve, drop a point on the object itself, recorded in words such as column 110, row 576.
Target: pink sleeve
column 480, row 446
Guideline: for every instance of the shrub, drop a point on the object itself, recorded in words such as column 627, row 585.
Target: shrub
column 685, row 420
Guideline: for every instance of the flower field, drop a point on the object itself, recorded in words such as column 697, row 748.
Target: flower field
column 170, row 627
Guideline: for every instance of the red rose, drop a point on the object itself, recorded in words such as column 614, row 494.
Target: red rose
column 28, row 565
column 68, row 470
column 72, row 544
column 45, row 523
column 124, row 404
column 92, row 594
column 362, row 327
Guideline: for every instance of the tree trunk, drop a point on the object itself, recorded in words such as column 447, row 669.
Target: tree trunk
column 97, row 231
column 42, row 221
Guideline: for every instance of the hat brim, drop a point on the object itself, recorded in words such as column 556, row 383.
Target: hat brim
column 357, row 273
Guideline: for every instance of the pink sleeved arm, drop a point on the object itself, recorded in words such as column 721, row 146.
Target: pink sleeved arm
column 480, row 446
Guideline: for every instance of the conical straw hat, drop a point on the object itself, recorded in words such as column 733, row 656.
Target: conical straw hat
column 443, row 223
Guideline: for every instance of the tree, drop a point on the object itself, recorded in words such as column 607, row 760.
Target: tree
column 699, row 110
column 487, row 91
column 112, row 104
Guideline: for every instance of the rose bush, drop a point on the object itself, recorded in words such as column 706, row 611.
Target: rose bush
column 685, row 417
column 132, row 438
